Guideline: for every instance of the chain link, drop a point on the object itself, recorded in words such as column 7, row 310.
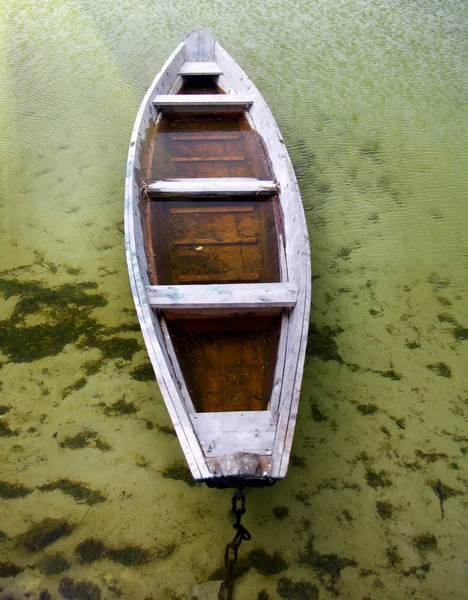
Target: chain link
column 226, row 589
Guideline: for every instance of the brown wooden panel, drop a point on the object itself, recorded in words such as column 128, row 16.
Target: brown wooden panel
column 218, row 226
column 238, row 170
column 212, row 228
column 173, row 140
column 211, row 260
column 234, row 374
column 248, row 226
column 212, row 169
column 211, row 209
column 225, row 361
column 231, row 277
column 189, row 159
column 208, row 148
column 213, row 241
column 205, row 136
column 252, row 260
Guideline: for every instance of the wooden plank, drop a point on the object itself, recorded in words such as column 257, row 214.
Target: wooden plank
column 211, row 209
column 200, row 68
column 214, row 264
column 207, row 158
column 208, row 136
column 199, row 46
column 204, row 103
column 204, row 100
column 225, row 433
column 177, row 370
column 280, row 362
column 206, row 228
column 237, row 277
column 211, row 186
column 213, row 242
column 250, row 295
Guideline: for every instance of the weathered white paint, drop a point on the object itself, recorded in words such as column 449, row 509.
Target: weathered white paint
column 237, row 295
column 201, row 102
column 225, row 433
column 280, row 362
column 211, row 186
column 180, row 381
column 199, row 46
column 200, row 68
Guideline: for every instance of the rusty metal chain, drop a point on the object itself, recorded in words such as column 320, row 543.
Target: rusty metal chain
column 226, row 589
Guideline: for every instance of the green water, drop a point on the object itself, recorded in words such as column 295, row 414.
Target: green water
column 372, row 100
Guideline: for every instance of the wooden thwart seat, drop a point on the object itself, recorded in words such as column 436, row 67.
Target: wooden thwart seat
column 238, row 295
column 204, row 103
column 200, row 68
column 212, row 186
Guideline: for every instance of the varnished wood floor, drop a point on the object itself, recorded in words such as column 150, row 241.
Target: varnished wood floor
column 227, row 361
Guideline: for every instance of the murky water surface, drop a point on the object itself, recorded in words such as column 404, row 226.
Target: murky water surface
column 372, row 100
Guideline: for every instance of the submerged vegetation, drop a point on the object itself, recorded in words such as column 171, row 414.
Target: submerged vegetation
column 143, row 372
column 376, row 480
column 264, row 563
column 425, row 543
column 180, row 472
column 92, row 549
column 53, row 564
column 296, row 590
column 42, row 534
column 384, row 509
column 6, row 431
column 86, row 439
column 120, row 407
column 65, row 317
column 441, row 369
column 321, row 342
column 13, row 490
column 443, row 493
column 65, row 310
column 280, row 512
column 10, row 569
column 79, row 590
column 77, row 490
column 78, row 385
column 367, row 409
column 328, row 567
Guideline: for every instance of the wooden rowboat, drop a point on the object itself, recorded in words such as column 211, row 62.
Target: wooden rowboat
column 218, row 257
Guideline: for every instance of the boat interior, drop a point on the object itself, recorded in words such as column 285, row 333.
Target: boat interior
column 227, row 356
